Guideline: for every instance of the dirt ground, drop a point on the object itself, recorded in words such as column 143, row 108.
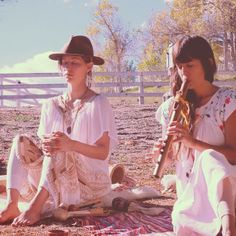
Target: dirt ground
column 137, row 131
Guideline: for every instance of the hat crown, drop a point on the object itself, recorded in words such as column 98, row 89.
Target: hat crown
column 79, row 45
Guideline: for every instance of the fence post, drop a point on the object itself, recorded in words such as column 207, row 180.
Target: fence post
column 18, row 92
column 1, row 92
column 141, row 90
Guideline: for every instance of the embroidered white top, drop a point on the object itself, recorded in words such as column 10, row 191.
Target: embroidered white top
column 93, row 119
column 199, row 177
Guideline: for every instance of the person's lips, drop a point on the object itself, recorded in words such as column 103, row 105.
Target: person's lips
column 68, row 76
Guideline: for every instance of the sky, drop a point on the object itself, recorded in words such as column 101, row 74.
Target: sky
column 32, row 29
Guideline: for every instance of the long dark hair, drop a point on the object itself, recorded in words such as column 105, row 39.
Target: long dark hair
column 195, row 47
column 185, row 50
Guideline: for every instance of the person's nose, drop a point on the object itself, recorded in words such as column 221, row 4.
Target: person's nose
column 184, row 71
column 67, row 67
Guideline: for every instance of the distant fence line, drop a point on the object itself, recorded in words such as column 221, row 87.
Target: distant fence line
column 14, row 89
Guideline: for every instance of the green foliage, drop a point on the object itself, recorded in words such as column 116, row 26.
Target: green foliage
column 225, row 77
column 212, row 19
column 188, row 15
column 117, row 40
column 218, row 51
column 153, row 58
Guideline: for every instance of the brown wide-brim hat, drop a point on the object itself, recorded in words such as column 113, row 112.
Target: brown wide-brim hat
column 78, row 46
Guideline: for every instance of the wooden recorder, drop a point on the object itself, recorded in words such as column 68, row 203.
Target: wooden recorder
column 175, row 116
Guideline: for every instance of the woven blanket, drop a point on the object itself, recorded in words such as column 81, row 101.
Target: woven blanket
column 121, row 223
column 134, row 223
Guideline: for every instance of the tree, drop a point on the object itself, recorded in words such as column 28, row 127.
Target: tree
column 156, row 40
column 212, row 19
column 117, row 39
column 164, row 28
column 223, row 13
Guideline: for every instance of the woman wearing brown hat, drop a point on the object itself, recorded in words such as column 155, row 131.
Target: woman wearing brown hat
column 78, row 133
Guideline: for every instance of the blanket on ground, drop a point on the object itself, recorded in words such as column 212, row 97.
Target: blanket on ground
column 118, row 223
column 133, row 223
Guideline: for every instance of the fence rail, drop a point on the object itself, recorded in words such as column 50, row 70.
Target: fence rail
column 25, row 89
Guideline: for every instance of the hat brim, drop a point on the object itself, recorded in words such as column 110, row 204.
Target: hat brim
column 57, row 56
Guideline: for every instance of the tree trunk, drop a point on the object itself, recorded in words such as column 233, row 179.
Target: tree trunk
column 226, row 52
column 233, row 51
column 119, row 71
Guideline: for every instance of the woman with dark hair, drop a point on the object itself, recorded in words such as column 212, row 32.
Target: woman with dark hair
column 206, row 156
column 78, row 133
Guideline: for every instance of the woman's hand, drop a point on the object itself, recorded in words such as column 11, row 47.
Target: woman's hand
column 156, row 150
column 181, row 134
column 57, row 142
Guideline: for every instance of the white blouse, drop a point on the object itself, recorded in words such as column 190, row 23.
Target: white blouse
column 199, row 176
column 92, row 120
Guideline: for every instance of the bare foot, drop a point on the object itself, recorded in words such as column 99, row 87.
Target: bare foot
column 9, row 213
column 26, row 218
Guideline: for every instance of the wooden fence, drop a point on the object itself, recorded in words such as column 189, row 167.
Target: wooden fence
column 30, row 88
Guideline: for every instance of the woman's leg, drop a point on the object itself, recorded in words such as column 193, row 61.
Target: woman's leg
column 33, row 166
column 19, row 176
column 221, row 190
column 16, row 175
column 32, row 215
column 11, row 210
column 226, row 209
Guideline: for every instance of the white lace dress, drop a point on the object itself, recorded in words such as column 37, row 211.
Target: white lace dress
column 200, row 175
column 72, row 177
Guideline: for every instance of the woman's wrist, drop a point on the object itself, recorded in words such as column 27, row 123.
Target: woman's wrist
column 194, row 143
column 71, row 145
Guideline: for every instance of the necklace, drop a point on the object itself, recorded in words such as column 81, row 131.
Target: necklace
column 69, row 128
column 67, row 114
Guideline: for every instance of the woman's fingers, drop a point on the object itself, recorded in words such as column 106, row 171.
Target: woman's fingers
column 180, row 133
column 51, row 142
column 50, row 148
column 58, row 134
column 176, row 129
column 156, row 150
column 57, row 142
column 160, row 143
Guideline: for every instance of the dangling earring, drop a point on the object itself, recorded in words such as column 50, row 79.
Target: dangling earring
column 89, row 79
column 60, row 72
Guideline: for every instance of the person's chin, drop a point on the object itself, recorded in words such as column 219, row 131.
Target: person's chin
column 190, row 86
column 68, row 79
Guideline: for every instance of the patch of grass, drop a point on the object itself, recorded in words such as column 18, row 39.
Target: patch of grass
column 23, row 117
column 149, row 89
column 225, row 77
column 133, row 100
column 132, row 90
